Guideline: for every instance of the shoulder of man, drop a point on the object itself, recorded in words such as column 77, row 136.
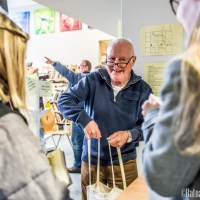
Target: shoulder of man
column 140, row 83
column 93, row 75
column 144, row 86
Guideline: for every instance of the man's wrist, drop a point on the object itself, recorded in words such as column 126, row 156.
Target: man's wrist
column 129, row 137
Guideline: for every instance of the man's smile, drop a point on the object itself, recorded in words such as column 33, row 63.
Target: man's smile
column 117, row 71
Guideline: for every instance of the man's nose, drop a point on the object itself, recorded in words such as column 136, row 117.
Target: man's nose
column 115, row 65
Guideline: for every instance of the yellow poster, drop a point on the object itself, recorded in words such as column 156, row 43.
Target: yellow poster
column 161, row 39
column 153, row 75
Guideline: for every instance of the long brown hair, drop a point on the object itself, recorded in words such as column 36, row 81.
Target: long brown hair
column 12, row 69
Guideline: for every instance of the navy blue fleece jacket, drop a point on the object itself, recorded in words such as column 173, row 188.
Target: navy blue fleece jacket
column 111, row 115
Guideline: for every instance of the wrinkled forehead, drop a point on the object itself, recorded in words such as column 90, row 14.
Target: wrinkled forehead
column 83, row 62
column 120, row 50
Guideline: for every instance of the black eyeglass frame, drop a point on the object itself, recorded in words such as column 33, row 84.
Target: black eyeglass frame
column 114, row 63
column 82, row 66
column 172, row 7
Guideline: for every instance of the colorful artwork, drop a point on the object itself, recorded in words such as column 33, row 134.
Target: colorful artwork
column 69, row 24
column 44, row 21
column 22, row 20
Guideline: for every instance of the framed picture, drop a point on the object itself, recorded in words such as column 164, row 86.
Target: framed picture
column 69, row 24
column 22, row 19
column 44, row 21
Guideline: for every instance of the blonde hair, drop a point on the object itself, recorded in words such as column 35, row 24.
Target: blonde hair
column 187, row 119
column 12, row 68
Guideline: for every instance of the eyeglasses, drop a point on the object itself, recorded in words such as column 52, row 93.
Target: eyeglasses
column 110, row 63
column 174, row 5
column 81, row 66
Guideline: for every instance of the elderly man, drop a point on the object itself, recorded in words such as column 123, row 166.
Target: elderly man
column 113, row 99
column 77, row 131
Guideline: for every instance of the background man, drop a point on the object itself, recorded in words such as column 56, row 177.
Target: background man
column 77, row 131
column 113, row 98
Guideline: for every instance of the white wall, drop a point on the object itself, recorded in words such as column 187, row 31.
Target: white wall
column 136, row 14
column 101, row 14
column 67, row 47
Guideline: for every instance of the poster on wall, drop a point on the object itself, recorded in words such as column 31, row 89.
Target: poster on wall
column 69, row 24
column 153, row 75
column 22, row 19
column 44, row 21
column 161, row 39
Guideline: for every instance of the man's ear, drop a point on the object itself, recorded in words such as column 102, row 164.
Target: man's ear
column 87, row 68
column 134, row 59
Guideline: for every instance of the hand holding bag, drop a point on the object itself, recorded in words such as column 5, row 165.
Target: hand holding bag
column 100, row 191
column 115, row 190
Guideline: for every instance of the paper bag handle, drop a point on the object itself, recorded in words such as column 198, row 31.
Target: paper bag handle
column 98, row 164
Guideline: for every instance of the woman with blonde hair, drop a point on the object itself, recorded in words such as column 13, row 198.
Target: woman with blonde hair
column 24, row 169
column 171, row 156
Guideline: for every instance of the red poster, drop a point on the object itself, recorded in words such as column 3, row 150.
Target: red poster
column 69, row 24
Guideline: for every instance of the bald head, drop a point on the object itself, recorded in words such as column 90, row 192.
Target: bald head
column 125, row 45
column 120, row 59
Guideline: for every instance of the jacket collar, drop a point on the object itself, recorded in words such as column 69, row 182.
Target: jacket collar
column 85, row 72
column 133, row 79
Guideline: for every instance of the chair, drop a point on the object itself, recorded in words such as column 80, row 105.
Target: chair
column 47, row 122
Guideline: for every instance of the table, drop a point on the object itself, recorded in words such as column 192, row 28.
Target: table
column 137, row 190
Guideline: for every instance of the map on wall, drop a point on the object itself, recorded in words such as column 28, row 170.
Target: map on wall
column 161, row 39
column 153, row 75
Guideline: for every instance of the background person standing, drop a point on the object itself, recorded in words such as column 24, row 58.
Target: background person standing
column 77, row 131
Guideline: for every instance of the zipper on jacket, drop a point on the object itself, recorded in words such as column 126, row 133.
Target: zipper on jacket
column 125, row 88
column 120, row 90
